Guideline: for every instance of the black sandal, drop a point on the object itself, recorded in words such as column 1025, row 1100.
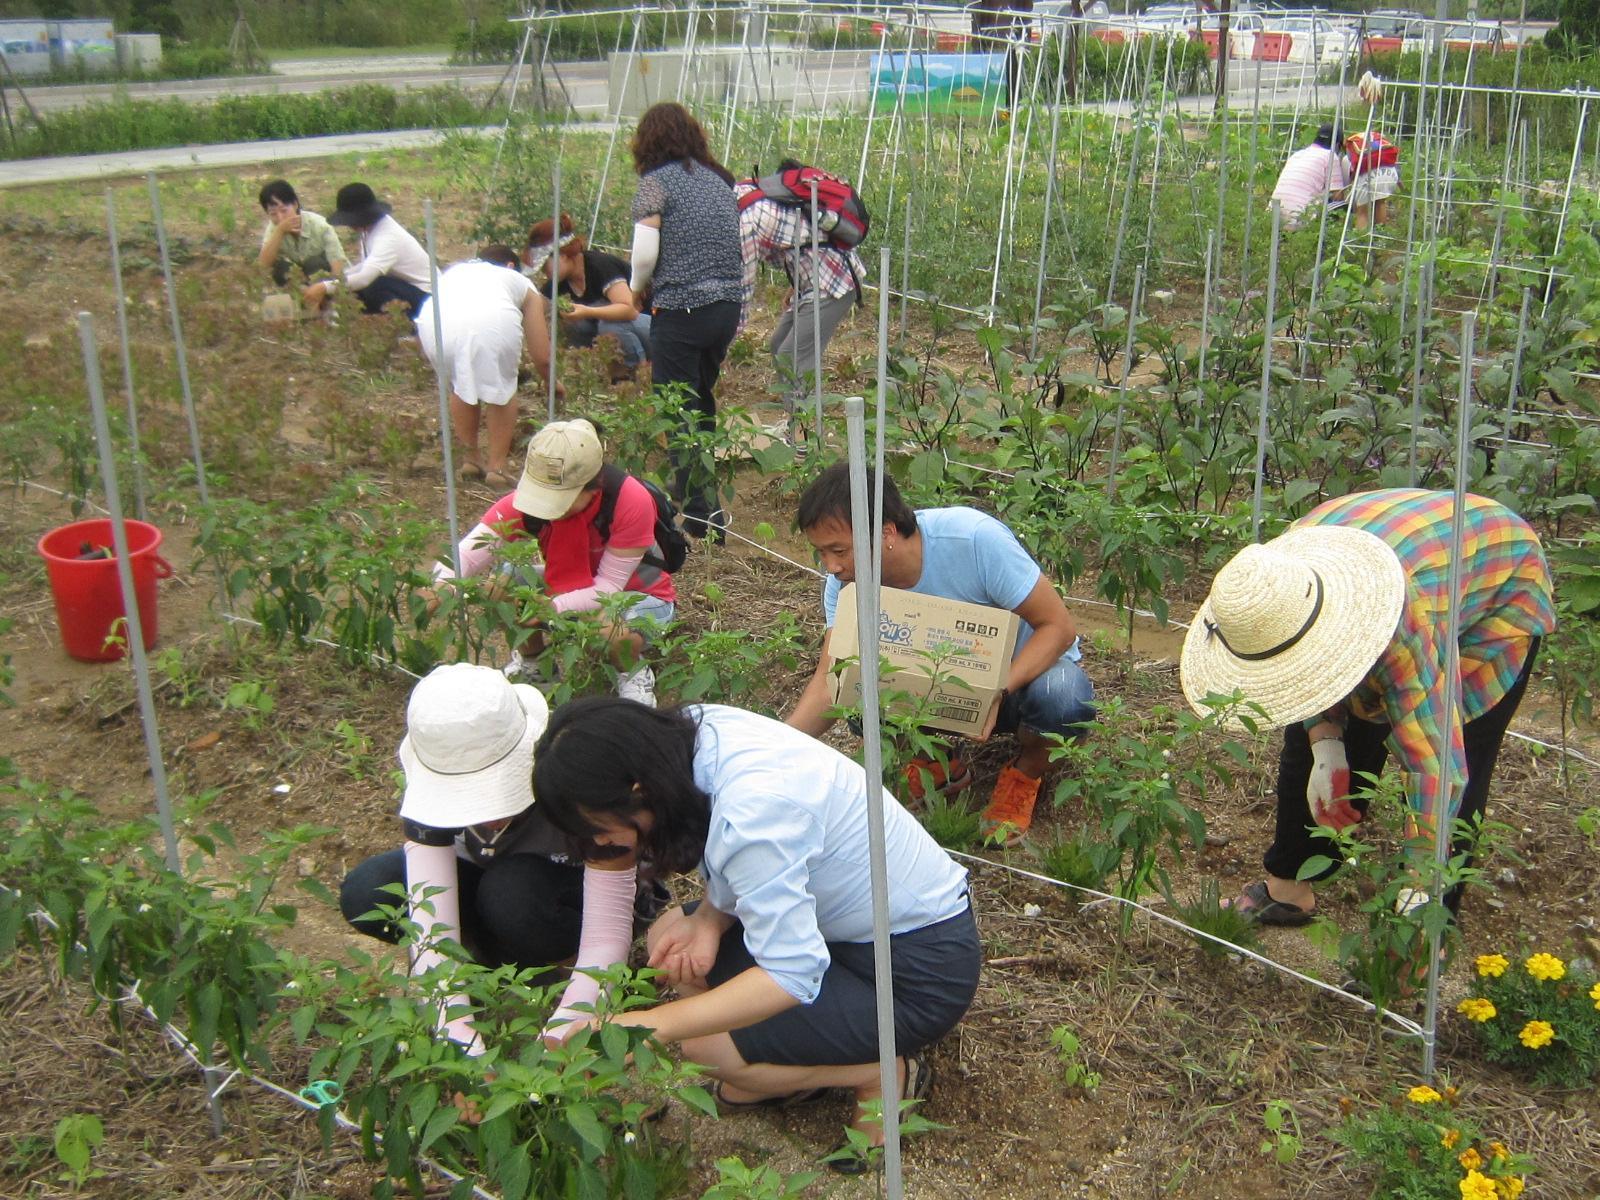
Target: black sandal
column 1264, row 910
column 788, row 1100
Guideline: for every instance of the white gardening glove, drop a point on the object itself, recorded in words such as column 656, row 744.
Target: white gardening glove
column 1328, row 789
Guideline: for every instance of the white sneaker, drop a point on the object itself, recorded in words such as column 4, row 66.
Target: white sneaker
column 513, row 667
column 638, row 684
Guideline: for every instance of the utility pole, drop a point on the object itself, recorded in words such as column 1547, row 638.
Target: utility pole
column 1223, row 49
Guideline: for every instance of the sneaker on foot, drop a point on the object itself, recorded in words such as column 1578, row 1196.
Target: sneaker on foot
column 1010, row 810
column 513, row 668
column 638, row 684
column 946, row 778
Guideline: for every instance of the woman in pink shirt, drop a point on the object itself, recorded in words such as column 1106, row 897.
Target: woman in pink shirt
column 1313, row 175
column 565, row 485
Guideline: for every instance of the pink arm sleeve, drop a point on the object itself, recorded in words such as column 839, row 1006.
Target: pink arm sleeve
column 432, row 869
column 475, row 551
column 610, row 576
column 607, row 934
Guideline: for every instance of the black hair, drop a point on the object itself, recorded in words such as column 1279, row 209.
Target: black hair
column 1328, row 136
column 499, row 254
column 790, row 164
column 279, row 190
column 828, row 496
column 603, row 758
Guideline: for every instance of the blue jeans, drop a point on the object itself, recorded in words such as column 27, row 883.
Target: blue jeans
column 1059, row 701
column 633, row 336
column 386, row 289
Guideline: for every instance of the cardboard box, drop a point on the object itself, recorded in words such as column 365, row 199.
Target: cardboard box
column 980, row 642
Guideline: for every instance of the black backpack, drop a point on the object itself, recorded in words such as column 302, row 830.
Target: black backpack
column 671, row 547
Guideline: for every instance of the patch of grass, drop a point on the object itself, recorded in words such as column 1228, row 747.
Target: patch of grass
column 951, row 821
column 1073, row 860
column 1207, row 913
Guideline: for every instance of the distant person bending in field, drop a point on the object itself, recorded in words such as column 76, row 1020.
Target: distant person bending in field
column 1374, row 167
column 296, row 237
column 959, row 554
column 1314, row 174
column 603, row 305
column 393, row 265
column 489, row 314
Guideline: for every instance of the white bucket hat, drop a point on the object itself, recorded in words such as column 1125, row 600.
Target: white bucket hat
column 468, row 749
column 1296, row 624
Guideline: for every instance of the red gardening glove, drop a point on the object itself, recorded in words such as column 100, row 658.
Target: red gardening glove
column 1328, row 789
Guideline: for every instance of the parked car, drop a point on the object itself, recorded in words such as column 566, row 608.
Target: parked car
column 1316, row 40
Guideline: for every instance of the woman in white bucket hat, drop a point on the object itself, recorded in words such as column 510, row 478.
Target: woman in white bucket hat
column 1333, row 629
column 499, row 876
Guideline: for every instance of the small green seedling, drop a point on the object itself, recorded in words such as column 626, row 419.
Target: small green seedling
column 1283, row 1141
column 77, row 1137
column 1075, row 1073
column 736, row 1181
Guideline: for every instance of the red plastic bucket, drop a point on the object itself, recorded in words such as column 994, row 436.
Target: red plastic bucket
column 88, row 592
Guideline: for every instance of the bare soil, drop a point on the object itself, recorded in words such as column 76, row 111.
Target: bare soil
column 1190, row 1048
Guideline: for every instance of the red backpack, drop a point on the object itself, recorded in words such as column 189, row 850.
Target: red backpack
column 841, row 219
column 1370, row 151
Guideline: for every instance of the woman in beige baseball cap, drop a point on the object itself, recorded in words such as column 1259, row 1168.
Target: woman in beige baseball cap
column 600, row 531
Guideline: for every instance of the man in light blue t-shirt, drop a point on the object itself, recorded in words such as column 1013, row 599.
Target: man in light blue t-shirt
column 960, row 554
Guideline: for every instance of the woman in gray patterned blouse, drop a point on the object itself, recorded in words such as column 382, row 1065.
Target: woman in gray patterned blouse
column 686, row 238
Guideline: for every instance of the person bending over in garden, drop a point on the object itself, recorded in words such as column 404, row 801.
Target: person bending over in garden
column 686, row 241
column 597, row 284
column 1374, row 173
column 296, row 237
column 959, row 554
column 393, row 265
column 489, row 314
column 595, row 525
column 774, row 966
column 1334, row 630
column 481, row 863
column 1313, row 175
column 778, row 235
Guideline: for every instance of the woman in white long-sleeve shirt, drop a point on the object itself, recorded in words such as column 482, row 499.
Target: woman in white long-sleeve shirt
column 774, row 966
column 393, row 265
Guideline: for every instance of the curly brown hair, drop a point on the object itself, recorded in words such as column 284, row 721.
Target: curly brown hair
column 668, row 133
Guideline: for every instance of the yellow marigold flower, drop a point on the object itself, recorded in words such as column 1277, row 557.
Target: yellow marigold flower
column 1492, row 966
column 1499, row 1150
column 1450, row 1139
column 1476, row 1008
column 1536, row 1035
column 1546, row 967
column 1469, row 1159
column 1510, row 1187
column 1423, row 1094
column 1477, row 1186
column 1594, row 994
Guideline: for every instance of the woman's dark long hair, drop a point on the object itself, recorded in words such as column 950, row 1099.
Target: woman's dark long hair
column 668, row 133
column 603, row 758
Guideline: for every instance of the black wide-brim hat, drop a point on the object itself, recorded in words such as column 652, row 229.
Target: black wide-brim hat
column 357, row 207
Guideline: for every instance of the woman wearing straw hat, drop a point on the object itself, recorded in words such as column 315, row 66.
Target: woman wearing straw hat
column 1333, row 629
column 774, row 966
column 496, row 874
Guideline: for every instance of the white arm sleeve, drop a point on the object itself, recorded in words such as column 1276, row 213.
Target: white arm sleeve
column 610, row 577
column 607, row 934
column 646, row 249
column 432, row 869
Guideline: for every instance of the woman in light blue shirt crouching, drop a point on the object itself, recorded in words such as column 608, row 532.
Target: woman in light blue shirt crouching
column 774, row 966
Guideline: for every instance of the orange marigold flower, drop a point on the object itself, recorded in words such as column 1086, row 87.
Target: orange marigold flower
column 1492, row 966
column 1450, row 1139
column 1536, row 1035
column 1423, row 1094
column 1469, row 1159
column 1499, row 1150
column 1546, row 967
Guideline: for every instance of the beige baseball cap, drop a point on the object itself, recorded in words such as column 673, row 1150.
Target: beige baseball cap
column 563, row 458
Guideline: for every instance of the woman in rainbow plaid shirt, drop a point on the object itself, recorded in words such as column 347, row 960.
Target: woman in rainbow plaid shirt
column 1334, row 630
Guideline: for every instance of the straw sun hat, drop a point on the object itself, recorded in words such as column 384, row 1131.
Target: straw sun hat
column 1295, row 624
column 468, row 749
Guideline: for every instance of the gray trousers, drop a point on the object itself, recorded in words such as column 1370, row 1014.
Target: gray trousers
column 791, row 346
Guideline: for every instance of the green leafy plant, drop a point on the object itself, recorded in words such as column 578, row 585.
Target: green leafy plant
column 736, row 1181
column 1283, row 1141
column 77, row 1136
column 1207, row 914
column 1075, row 1073
column 1539, row 1014
column 951, row 821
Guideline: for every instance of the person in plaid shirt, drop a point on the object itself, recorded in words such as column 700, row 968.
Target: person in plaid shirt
column 1334, row 630
column 778, row 235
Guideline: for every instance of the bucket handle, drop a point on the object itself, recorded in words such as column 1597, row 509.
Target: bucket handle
column 163, row 567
